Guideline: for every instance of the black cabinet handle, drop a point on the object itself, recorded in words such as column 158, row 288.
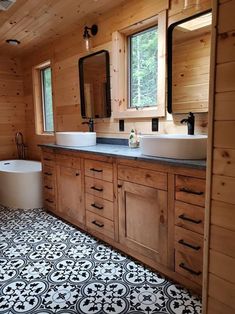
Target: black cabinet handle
column 77, row 174
column 97, row 189
column 183, row 217
column 189, row 245
column 48, row 187
column 119, row 186
column 48, row 173
column 191, row 271
column 49, row 201
column 96, row 170
column 97, row 206
column 98, row 224
column 47, row 159
column 191, row 191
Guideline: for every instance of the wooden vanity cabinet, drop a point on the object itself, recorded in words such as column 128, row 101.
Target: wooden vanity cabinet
column 189, row 226
column 49, row 180
column 100, row 200
column 151, row 211
column 142, row 196
column 69, row 189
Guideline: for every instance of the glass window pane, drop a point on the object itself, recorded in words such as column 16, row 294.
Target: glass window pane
column 47, row 100
column 143, row 58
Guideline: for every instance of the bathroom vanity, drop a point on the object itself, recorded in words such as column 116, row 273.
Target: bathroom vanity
column 150, row 208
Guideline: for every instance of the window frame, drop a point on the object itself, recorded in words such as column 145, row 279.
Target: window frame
column 38, row 94
column 42, row 79
column 129, row 66
column 120, row 109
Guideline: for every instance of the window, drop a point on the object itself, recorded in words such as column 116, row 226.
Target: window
column 47, row 110
column 139, row 69
column 143, row 66
column 43, row 100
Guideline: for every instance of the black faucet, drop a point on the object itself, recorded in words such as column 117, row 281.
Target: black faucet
column 90, row 124
column 190, row 122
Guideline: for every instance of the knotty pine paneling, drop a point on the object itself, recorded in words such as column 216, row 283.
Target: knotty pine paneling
column 35, row 23
column 12, row 106
column 191, row 63
column 216, row 307
column 222, row 290
column 224, row 105
column 223, row 215
column 220, row 295
column 221, row 264
column 64, row 54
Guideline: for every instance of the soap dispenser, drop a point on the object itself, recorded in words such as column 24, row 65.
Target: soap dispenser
column 133, row 139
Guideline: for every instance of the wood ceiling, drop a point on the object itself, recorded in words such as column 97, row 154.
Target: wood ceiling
column 37, row 22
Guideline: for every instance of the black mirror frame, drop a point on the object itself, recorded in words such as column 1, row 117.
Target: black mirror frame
column 81, row 83
column 170, row 55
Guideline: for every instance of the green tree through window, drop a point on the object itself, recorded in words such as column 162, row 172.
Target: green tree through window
column 47, row 100
column 143, row 66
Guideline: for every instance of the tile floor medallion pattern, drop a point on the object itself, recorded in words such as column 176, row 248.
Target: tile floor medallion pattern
column 48, row 266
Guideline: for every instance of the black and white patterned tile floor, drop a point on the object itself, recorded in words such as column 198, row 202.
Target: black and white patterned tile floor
column 48, row 266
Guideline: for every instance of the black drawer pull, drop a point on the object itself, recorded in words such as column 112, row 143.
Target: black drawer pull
column 97, row 206
column 191, row 271
column 189, row 245
column 119, row 186
column 47, row 159
column 77, row 174
column 97, row 189
column 96, row 170
column 191, row 191
column 98, row 224
column 198, row 221
column 48, row 187
column 48, row 173
column 48, row 200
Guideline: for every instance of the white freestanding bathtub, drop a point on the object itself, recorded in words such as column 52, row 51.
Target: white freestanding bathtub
column 21, row 184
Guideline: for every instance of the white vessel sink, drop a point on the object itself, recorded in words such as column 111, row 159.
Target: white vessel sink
column 76, row 138
column 174, row 146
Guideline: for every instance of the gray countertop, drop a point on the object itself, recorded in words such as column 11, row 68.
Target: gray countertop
column 123, row 151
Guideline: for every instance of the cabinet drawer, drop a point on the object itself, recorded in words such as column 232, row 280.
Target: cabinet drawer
column 49, row 202
column 190, row 190
column 188, row 267
column 100, row 224
column 99, row 188
column 99, row 206
column 48, row 159
column 68, row 161
column 189, row 242
column 189, row 216
column 49, row 172
column 145, row 177
column 99, row 170
column 49, row 186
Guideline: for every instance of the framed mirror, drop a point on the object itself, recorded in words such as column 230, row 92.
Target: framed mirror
column 189, row 47
column 94, row 76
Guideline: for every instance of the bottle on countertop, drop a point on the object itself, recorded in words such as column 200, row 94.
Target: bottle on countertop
column 133, row 139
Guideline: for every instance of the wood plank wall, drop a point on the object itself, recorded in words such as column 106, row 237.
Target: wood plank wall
column 221, row 274
column 12, row 107
column 64, row 54
column 191, row 66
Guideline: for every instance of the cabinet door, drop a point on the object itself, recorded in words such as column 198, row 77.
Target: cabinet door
column 70, row 194
column 143, row 220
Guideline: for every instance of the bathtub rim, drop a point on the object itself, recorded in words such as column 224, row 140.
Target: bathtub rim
column 20, row 171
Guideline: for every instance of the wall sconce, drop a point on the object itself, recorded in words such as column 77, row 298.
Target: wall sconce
column 88, row 31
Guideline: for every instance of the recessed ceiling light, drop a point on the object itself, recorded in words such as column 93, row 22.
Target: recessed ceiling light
column 13, row 42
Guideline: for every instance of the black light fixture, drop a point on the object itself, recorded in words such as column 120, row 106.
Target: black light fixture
column 13, row 42
column 88, row 31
